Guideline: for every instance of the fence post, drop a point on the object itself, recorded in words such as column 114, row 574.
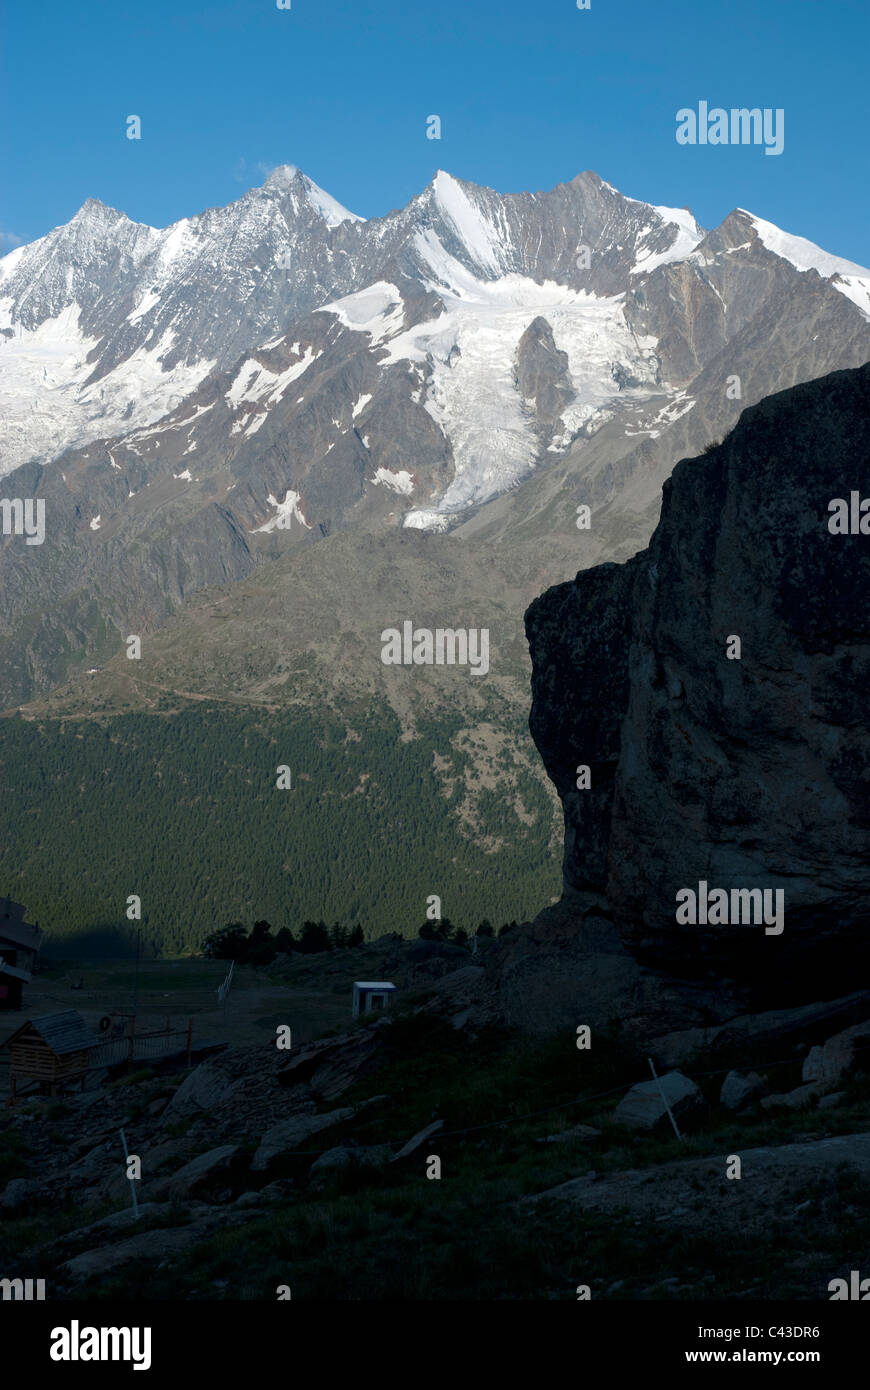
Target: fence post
column 189, row 1039
column 664, row 1098
column 132, row 1035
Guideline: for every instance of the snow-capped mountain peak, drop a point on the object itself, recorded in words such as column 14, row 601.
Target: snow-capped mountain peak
column 803, row 254
column 93, row 210
column 485, row 243
column 262, row 376
column 281, row 177
column 850, row 279
column 329, row 208
column 107, row 324
column 287, row 179
column 683, row 233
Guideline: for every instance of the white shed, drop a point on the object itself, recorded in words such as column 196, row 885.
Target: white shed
column 370, row 996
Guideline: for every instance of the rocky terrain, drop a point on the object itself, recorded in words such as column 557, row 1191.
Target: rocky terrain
column 263, row 1167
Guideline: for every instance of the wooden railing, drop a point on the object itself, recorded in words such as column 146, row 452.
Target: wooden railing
column 127, row 1043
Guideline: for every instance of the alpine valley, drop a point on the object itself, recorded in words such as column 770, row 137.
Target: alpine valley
column 267, row 434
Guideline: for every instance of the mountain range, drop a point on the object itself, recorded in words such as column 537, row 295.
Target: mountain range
column 272, row 430
column 192, row 401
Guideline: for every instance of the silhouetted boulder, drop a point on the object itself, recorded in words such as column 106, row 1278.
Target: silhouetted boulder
column 741, row 774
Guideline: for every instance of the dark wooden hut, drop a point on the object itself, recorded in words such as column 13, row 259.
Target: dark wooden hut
column 19, row 946
column 52, row 1051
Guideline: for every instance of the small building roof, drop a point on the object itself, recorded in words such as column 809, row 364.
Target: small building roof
column 14, row 970
column 18, row 933
column 373, row 984
column 63, row 1032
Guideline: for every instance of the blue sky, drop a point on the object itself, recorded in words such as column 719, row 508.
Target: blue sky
column 529, row 94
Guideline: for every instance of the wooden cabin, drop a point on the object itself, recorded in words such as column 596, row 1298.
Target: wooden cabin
column 12, row 979
column 52, row 1051
column 19, row 947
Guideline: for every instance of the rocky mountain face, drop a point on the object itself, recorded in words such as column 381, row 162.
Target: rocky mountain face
column 193, row 403
column 714, row 687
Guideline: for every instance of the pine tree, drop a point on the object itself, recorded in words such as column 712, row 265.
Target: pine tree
column 285, row 940
column 315, row 937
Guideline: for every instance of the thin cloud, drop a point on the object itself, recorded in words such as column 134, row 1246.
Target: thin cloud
column 248, row 173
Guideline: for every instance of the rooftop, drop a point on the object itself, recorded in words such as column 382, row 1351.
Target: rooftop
column 62, row 1032
column 18, row 933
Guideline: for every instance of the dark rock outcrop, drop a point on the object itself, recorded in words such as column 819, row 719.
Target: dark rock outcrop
column 331, row 1066
column 542, row 377
column 749, row 773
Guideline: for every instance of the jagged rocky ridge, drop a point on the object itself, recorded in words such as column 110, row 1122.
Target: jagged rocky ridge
column 111, row 321
column 749, row 773
column 261, row 377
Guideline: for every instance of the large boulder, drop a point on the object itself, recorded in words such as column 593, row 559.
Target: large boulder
column 103, row 1230
column 207, row 1086
column 157, row 1245
column 200, row 1175
column 799, row 1099
column 739, row 1091
column 332, row 1066
column 283, row 1140
column 766, row 1034
column 456, row 996
column 644, row 1107
column 844, row 1052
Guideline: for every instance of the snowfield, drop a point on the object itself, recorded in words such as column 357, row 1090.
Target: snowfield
column 469, row 352
column 46, row 405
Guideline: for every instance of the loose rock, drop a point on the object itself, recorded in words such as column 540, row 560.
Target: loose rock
column 644, row 1108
